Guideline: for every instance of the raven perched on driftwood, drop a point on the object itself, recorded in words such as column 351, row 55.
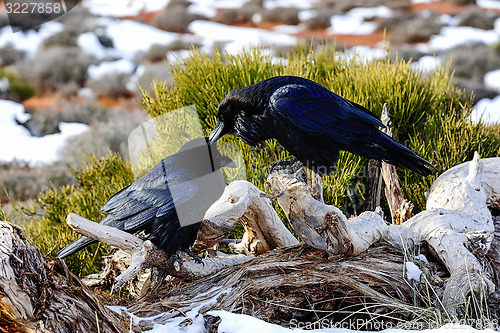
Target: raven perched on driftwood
column 311, row 122
column 148, row 207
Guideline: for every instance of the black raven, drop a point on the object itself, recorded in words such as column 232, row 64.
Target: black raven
column 311, row 122
column 149, row 208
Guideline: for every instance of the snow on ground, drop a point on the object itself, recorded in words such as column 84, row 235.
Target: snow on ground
column 28, row 41
column 492, row 80
column 426, row 64
column 240, row 323
column 450, row 37
column 122, row 66
column 354, row 22
column 130, row 37
column 490, row 4
column 120, row 8
column 236, row 38
column 18, row 144
column 412, row 271
column 488, row 110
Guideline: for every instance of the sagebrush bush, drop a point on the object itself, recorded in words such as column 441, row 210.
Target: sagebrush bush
column 318, row 22
column 428, row 113
column 281, row 15
column 176, row 19
column 150, row 73
column 103, row 136
column 67, row 37
column 411, row 28
column 9, row 55
column 56, row 66
column 110, row 85
column 474, row 63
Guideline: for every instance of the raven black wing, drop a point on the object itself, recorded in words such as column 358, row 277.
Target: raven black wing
column 316, row 110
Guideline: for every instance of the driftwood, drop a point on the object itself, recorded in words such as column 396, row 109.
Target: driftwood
column 458, row 226
column 341, row 266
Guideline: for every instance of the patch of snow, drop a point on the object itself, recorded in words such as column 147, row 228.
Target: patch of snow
column 123, row 66
column 300, row 4
column 412, row 271
column 363, row 54
column 422, row 258
column 120, row 8
column 307, row 14
column 351, row 25
column 30, row 40
column 354, row 21
column 90, row 44
column 489, row 4
column 492, row 80
column 426, row 64
column 34, row 149
column 236, row 38
column 289, row 29
column 240, row 323
column 488, row 110
column 130, row 37
column 450, row 37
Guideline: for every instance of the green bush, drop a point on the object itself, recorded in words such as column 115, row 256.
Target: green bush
column 13, row 87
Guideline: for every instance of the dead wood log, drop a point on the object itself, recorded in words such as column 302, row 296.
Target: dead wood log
column 401, row 209
column 319, row 225
column 36, row 298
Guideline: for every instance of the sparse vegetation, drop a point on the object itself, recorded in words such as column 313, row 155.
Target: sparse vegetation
column 14, row 87
column 281, row 15
column 56, row 66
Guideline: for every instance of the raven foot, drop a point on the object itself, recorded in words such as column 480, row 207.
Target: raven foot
column 196, row 258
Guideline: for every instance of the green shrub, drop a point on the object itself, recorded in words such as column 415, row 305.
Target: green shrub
column 14, row 87
column 45, row 220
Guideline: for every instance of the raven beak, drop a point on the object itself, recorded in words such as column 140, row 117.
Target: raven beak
column 216, row 133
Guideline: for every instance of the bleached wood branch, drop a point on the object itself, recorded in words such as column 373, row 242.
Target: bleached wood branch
column 319, row 225
column 242, row 201
column 401, row 209
column 458, row 225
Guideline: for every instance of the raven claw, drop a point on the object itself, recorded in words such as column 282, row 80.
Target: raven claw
column 196, row 258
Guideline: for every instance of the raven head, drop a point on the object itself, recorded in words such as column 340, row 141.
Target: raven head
column 226, row 118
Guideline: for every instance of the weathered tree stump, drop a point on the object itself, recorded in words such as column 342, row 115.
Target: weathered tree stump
column 35, row 297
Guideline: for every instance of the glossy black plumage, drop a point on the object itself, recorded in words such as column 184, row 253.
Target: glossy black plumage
column 311, row 122
column 147, row 207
